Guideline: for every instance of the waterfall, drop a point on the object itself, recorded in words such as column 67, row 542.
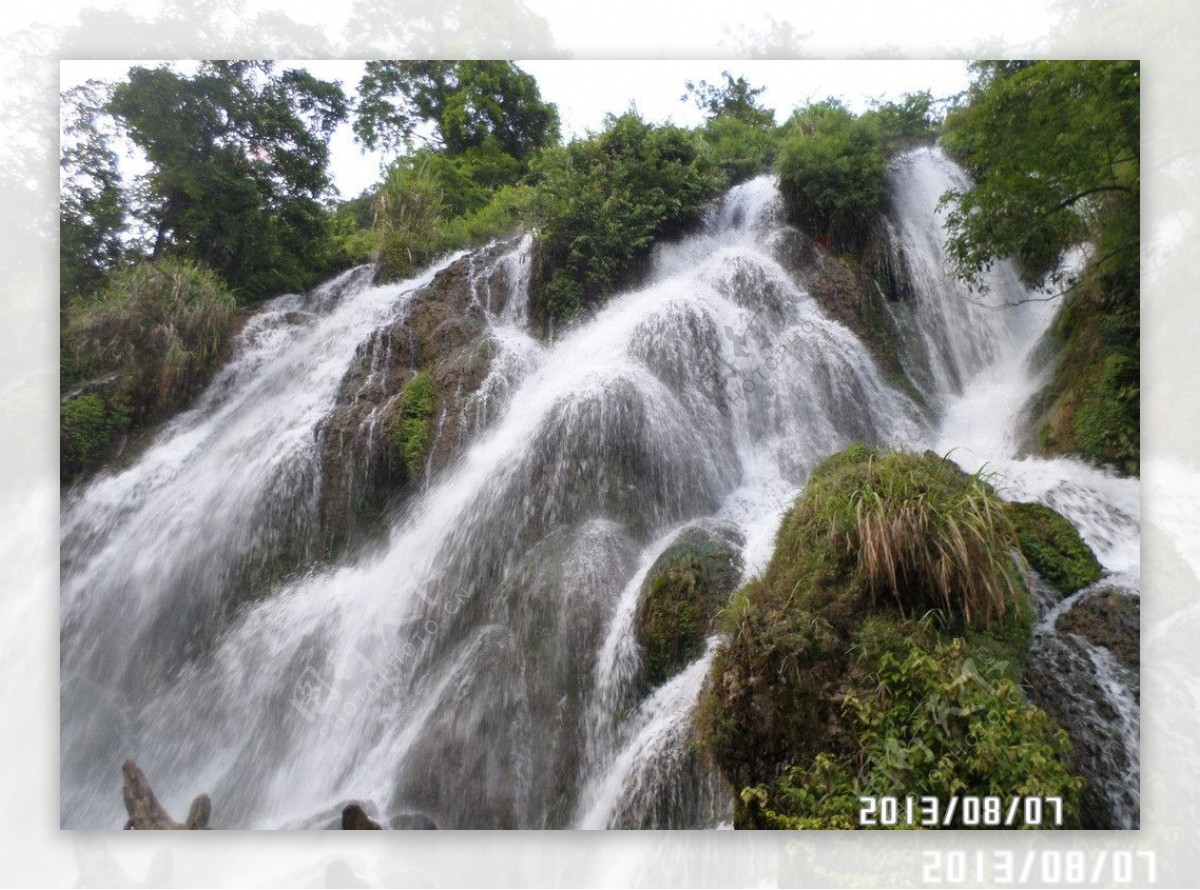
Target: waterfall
column 479, row 668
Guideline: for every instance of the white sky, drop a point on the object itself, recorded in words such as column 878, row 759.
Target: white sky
column 586, row 90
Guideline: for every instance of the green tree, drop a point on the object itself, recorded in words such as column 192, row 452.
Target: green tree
column 1054, row 147
column 736, row 99
column 238, row 156
column 831, row 167
column 93, row 207
column 468, row 105
column 600, row 203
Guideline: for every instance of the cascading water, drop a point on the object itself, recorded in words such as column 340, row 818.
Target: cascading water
column 480, row 668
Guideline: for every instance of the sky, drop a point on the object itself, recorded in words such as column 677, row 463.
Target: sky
column 586, row 90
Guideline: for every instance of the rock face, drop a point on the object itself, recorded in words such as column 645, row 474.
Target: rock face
column 145, row 812
column 440, row 344
column 851, row 294
column 683, row 591
column 1110, row 619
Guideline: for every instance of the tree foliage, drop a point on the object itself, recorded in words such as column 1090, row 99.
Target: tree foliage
column 1054, row 147
column 735, row 99
column 93, row 207
column 469, row 104
column 831, row 167
column 238, row 156
column 601, row 202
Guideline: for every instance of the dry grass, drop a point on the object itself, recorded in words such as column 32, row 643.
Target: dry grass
column 929, row 536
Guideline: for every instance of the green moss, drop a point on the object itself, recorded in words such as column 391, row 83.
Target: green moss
column 683, row 591
column 1054, row 548
column 412, row 430
column 892, row 580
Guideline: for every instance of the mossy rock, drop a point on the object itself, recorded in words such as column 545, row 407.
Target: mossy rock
column 886, row 559
column 684, row 590
column 1054, row 548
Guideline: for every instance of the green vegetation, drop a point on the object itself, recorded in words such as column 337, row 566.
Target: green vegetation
column 412, row 427
column 92, row 206
column 138, row 350
column 600, row 203
column 1054, row 147
column 1053, row 547
column 831, row 167
column 88, row 424
column 238, row 157
column 831, row 164
column 923, row 718
column 486, row 106
column 683, row 591
column 828, row 652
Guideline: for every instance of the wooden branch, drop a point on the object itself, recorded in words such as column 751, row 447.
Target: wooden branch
column 1079, row 196
column 147, row 814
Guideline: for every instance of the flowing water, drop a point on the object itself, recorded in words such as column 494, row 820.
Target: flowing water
column 479, row 669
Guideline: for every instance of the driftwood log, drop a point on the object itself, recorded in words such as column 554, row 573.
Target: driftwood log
column 147, row 814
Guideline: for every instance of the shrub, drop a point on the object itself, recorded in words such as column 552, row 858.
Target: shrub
column 408, row 210
column 144, row 346
column 831, row 167
column 927, row 720
column 740, row 149
column 600, row 203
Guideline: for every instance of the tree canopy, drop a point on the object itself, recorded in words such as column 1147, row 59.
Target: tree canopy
column 467, row 103
column 736, row 99
column 238, row 156
column 1054, row 147
column 92, row 206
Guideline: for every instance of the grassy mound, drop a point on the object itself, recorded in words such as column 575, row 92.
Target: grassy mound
column 881, row 548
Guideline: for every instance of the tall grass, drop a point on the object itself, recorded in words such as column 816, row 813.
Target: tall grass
column 928, row 535
column 138, row 351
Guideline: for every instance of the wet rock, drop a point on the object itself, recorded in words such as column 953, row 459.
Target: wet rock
column 848, row 293
column 354, row 818
column 443, row 336
column 1110, row 618
column 1083, row 672
column 412, row 822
